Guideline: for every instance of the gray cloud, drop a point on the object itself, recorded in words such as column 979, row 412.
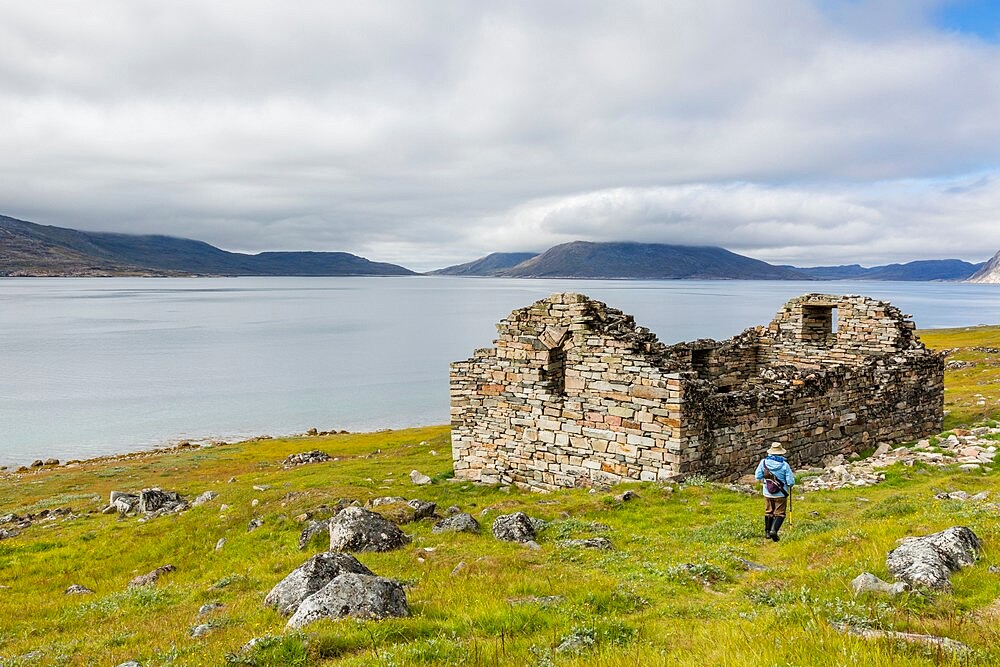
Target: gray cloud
column 429, row 133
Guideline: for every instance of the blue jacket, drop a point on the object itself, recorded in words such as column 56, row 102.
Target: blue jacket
column 781, row 470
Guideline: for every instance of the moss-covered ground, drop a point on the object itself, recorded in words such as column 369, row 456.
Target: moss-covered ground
column 674, row 591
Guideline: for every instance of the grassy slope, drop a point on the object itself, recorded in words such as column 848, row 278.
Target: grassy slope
column 637, row 605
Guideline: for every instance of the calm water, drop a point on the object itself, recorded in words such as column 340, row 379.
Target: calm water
column 96, row 366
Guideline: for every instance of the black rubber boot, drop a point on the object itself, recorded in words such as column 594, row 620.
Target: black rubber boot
column 775, row 527
column 767, row 525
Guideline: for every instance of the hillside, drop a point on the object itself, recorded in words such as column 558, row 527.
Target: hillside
column 687, row 581
column 933, row 269
column 581, row 259
column 989, row 273
column 29, row 249
column 490, row 265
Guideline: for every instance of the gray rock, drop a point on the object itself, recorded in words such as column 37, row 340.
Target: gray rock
column 419, row 478
column 200, row 630
column 882, row 449
column 929, row 560
column 454, row 509
column 422, row 509
column 310, row 577
column 304, row 458
column 356, row 595
column 627, row 496
column 386, row 500
column 130, row 663
column 204, row 498
column 254, row 524
column 221, row 543
column 866, row 582
column 77, row 589
column 151, row 578
column 516, row 527
column 533, row 545
column 457, row 523
column 208, row 608
column 151, row 500
column 312, row 528
column 358, row 529
column 458, row 568
column 588, row 543
column 123, row 503
column 753, row 567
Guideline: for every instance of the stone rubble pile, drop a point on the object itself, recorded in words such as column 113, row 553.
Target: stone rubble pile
column 971, row 450
column 305, row 458
column 11, row 525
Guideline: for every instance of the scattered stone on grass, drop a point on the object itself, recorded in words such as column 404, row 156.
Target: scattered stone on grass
column 587, row 543
column 357, row 595
column 77, row 589
column 204, row 498
column 201, row 630
column 457, row 523
column 221, row 543
column 627, row 496
column 866, row 582
column 419, row 478
column 151, row 578
column 254, row 524
column 208, row 608
column 458, row 568
column 358, row 529
column 311, row 529
column 309, row 577
column 944, row 643
column 929, row 560
column 516, row 527
column 753, row 567
column 305, row 458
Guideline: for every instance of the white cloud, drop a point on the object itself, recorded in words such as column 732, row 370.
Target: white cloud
column 426, row 133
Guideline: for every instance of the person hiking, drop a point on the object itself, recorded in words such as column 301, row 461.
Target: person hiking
column 778, row 480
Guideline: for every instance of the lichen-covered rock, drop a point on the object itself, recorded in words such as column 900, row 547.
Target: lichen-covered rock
column 516, row 527
column 457, row 523
column 152, row 500
column 422, row 509
column 356, row 595
column 588, row 543
column 312, row 528
column 866, row 582
column 358, row 529
column 419, row 478
column 309, row 577
column 204, row 498
column 77, row 589
column 929, row 560
column 151, row 578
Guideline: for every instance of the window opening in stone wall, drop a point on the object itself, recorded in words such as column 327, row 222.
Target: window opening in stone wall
column 555, row 371
column 701, row 361
column 819, row 324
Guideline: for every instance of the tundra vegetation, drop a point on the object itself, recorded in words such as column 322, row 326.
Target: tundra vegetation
column 675, row 588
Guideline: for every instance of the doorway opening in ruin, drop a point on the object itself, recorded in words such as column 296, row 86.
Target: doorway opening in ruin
column 701, row 361
column 555, row 371
column 819, row 324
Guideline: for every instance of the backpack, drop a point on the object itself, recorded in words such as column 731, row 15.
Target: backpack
column 772, row 483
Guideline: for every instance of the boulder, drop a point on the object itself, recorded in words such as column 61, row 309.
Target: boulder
column 51, row 462
column 457, row 523
column 204, row 498
column 929, row 560
column 356, row 595
column 358, row 529
column 123, row 503
column 866, row 582
column 309, row 577
column 516, row 527
column 422, row 509
column 155, row 499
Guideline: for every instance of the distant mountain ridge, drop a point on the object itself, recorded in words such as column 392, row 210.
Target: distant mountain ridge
column 490, row 265
column 651, row 261
column 29, row 249
column 988, row 273
column 925, row 269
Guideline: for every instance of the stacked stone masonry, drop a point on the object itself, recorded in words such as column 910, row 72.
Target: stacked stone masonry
column 574, row 393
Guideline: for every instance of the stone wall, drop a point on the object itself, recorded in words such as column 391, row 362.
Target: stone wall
column 574, row 393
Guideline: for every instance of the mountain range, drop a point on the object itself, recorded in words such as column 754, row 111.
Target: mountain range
column 29, row 249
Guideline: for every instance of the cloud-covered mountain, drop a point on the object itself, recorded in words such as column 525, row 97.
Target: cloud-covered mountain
column 583, row 259
column 29, row 249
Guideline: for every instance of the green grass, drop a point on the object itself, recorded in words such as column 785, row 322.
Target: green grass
column 673, row 591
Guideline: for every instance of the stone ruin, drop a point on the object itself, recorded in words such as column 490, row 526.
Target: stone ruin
column 574, row 393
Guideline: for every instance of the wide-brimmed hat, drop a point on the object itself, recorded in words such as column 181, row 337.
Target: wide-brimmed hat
column 776, row 449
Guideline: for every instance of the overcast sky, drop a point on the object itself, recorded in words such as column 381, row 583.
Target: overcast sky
column 429, row 133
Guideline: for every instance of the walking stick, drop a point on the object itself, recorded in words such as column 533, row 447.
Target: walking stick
column 789, row 510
